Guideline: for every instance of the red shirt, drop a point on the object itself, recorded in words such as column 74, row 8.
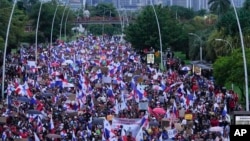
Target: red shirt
column 214, row 122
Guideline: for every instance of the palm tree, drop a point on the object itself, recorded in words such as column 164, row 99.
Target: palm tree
column 219, row 7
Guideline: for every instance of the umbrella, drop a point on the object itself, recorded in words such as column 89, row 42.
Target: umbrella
column 98, row 121
column 216, row 129
column 186, row 68
column 68, row 85
column 71, row 112
column 64, row 64
column 56, row 73
column 153, row 123
column 47, row 94
column 55, row 136
column 34, row 112
column 68, row 62
column 23, row 99
column 55, row 64
column 159, row 111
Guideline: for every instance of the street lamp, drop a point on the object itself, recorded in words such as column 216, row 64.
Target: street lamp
column 62, row 21
column 37, row 25
column 52, row 26
column 231, row 49
column 227, row 42
column 65, row 25
column 159, row 31
column 6, row 45
column 193, row 34
column 244, row 56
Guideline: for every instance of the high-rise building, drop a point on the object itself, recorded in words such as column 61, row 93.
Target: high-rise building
column 238, row 3
column 194, row 4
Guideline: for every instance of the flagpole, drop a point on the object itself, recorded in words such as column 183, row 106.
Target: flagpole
column 5, row 47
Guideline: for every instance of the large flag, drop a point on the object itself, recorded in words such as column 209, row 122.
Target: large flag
column 140, row 92
column 107, row 134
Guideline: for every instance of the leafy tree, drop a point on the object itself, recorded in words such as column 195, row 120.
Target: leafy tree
column 26, row 5
column 219, row 7
column 181, row 13
column 143, row 32
column 17, row 25
column 229, row 69
column 228, row 25
column 47, row 14
column 106, row 28
column 103, row 9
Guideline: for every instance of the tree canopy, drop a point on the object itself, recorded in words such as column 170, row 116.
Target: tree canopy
column 219, row 7
column 229, row 69
column 144, row 33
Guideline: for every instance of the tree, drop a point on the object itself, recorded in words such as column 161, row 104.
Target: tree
column 47, row 14
column 227, row 24
column 17, row 25
column 143, row 32
column 103, row 9
column 219, row 7
column 229, row 69
column 26, row 5
column 181, row 13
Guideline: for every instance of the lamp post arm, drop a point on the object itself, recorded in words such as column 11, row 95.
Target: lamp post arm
column 62, row 21
column 230, row 45
column 37, row 26
column 159, row 31
column 244, row 56
column 5, row 47
column 52, row 27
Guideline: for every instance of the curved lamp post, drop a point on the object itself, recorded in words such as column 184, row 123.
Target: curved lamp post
column 227, row 42
column 231, row 50
column 52, row 26
column 62, row 21
column 159, row 31
column 6, row 45
column 243, row 55
column 65, row 25
column 193, row 34
column 37, row 25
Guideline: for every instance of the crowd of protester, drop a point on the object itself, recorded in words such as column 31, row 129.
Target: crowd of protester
column 63, row 95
